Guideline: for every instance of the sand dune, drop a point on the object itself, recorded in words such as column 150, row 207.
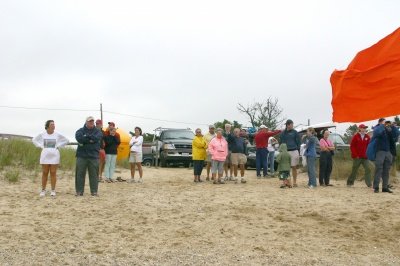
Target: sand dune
column 169, row 220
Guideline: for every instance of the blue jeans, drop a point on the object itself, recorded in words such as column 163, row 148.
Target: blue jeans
column 312, row 176
column 271, row 161
column 109, row 167
column 261, row 161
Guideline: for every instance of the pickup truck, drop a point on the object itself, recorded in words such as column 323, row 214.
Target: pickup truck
column 173, row 146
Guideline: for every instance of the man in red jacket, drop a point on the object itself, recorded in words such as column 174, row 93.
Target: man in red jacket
column 358, row 147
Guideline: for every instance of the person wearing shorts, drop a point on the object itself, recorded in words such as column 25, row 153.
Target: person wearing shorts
column 291, row 138
column 208, row 137
column 136, row 155
column 238, row 155
column 218, row 148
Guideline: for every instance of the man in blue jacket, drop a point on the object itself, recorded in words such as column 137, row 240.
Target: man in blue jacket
column 87, row 156
column 383, row 159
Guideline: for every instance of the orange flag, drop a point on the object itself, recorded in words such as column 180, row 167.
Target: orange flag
column 370, row 86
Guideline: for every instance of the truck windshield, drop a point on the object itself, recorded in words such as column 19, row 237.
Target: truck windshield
column 336, row 138
column 182, row 134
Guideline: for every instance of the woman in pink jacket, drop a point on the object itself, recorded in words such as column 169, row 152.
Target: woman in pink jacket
column 218, row 148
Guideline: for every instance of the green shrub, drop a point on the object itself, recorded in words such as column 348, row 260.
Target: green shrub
column 12, row 176
column 22, row 153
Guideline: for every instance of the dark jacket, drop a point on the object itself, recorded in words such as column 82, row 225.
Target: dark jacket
column 382, row 138
column 237, row 144
column 89, row 141
column 291, row 138
column 111, row 144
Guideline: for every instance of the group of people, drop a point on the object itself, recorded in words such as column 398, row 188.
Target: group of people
column 226, row 149
column 223, row 151
column 96, row 153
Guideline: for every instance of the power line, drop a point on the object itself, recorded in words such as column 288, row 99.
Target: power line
column 47, row 109
column 155, row 119
column 92, row 110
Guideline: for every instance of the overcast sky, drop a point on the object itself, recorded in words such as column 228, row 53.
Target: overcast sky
column 187, row 61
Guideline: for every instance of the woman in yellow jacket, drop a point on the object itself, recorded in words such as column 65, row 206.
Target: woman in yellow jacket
column 199, row 146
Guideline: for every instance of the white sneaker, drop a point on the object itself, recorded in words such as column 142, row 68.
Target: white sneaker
column 140, row 180
column 42, row 193
column 311, row 187
column 243, row 181
column 132, row 180
column 53, row 193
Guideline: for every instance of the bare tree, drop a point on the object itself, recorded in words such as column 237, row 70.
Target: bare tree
column 250, row 111
column 268, row 113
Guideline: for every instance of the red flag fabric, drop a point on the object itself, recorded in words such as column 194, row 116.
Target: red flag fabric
column 370, row 86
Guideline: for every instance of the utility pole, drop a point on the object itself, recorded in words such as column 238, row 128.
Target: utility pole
column 101, row 111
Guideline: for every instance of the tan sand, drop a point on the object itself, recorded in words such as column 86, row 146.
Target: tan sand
column 169, row 220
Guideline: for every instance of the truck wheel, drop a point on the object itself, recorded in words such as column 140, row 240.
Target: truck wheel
column 147, row 162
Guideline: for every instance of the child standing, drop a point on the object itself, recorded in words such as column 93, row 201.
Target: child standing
column 284, row 161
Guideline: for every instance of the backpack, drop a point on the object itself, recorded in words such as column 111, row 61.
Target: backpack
column 371, row 149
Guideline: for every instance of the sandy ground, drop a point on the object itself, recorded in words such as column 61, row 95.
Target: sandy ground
column 169, row 220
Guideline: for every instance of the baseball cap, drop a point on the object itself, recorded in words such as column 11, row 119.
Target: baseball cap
column 211, row 126
column 362, row 126
column 111, row 124
column 289, row 121
column 98, row 121
column 263, row 126
column 89, row 118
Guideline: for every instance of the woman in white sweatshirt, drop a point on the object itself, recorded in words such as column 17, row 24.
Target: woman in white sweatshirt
column 49, row 141
column 136, row 156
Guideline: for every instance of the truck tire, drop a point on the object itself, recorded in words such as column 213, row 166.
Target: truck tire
column 147, row 162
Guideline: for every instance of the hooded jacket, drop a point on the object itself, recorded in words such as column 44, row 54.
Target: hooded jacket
column 283, row 158
column 358, row 146
column 218, row 148
column 199, row 145
column 89, row 141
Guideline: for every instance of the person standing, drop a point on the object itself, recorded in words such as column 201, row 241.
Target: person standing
column 311, row 155
column 89, row 140
column 261, row 139
column 325, row 159
column 393, row 133
column 283, row 160
column 111, row 143
column 199, row 146
column 218, row 148
column 238, row 155
column 208, row 137
column 136, row 155
column 383, row 159
column 272, row 146
column 49, row 141
column 291, row 138
column 102, row 153
column 358, row 148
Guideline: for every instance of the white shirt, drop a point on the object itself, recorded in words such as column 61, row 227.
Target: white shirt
column 136, row 144
column 272, row 143
column 50, row 144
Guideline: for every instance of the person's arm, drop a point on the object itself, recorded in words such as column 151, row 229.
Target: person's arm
column 353, row 147
column 323, row 145
column 38, row 141
column 61, row 141
column 139, row 141
column 82, row 138
column 211, row 147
